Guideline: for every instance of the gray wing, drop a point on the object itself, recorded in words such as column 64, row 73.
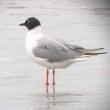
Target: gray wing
column 54, row 50
column 71, row 45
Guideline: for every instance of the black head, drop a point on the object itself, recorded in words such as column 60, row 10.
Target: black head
column 31, row 23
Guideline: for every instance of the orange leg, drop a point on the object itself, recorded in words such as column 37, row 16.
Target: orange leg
column 47, row 75
column 53, row 77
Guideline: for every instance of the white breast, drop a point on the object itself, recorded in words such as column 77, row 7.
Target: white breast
column 31, row 42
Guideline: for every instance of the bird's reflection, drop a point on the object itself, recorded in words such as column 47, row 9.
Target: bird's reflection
column 52, row 100
column 47, row 89
column 53, row 89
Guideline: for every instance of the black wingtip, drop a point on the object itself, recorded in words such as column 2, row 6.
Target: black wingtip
column 101, row 48
column 95, row 53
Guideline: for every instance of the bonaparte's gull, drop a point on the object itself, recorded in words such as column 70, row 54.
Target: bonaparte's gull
column 51, row 52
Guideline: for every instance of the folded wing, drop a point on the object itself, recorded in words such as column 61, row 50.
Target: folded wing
column 54, row 51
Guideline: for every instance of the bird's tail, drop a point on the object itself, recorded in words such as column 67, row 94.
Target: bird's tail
column 87, row 53
column 93, row 52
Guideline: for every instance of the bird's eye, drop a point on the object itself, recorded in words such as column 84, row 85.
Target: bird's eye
column 28, row 21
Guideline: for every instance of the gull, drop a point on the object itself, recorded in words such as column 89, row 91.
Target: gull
column 52, row 53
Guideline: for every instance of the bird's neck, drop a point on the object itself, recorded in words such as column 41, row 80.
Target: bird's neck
column 36, row 30
column 35, row 33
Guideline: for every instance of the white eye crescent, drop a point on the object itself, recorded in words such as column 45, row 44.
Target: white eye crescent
column 28, row 21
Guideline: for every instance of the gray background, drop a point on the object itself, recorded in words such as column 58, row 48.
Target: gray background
column 82, row 86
